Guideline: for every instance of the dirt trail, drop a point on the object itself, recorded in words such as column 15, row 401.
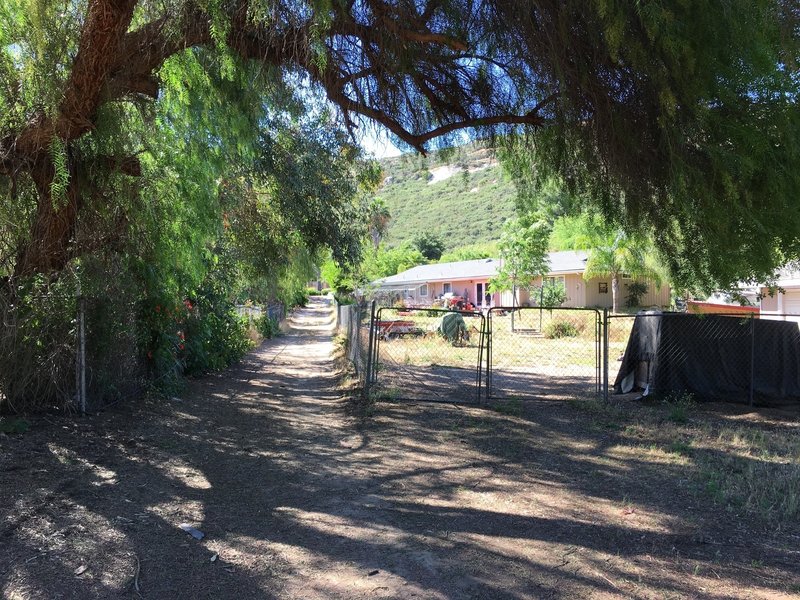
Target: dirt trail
column 297, row 501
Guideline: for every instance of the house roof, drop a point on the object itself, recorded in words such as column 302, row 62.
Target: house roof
column 570, row 261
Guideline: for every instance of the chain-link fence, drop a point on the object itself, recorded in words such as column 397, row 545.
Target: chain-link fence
column 65, row 350
column 732, row 358
column 353, row 321
column 565, row 352
column 429, row 354
column 544, row 352
column 275, row 311
column 38, row 346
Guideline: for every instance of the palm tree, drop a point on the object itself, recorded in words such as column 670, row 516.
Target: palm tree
column 379, row 217
column 619, row 253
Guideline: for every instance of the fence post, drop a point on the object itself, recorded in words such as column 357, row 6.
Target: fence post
column 488, row 354
column 605, row 354
column 368, row 374
column 481, row 345
column 80, row 371
column 752, row 357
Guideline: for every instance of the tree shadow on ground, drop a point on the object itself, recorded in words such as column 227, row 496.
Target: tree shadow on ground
column 424, row 501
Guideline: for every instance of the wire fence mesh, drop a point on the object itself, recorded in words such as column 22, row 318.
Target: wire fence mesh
column 429, row 354
column 68, row 351
column 732, row 358
column 38, row 346
column 275, row 311
column 353, row 321
column 544, row 352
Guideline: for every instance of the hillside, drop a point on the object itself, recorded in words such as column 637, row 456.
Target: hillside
column 462, row 195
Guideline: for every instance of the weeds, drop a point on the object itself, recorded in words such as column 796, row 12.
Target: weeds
column 389, row 394
column 680, row 448
column 511, row 407
column 679, row 405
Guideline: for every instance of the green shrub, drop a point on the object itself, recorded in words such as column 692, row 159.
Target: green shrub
column 636, row 291
column 312, row 291
column 326, row 291
column 299, row 298
column 560, row 329
column 268, row 327
column 214, row 336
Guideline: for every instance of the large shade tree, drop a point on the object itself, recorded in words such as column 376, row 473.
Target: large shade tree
column 679, row 117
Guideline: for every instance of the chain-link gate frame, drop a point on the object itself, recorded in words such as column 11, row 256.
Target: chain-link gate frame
column 432, row 368
column 590, row 318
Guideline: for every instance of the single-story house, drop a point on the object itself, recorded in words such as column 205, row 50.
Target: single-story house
column 422, row 285
column 784, row 302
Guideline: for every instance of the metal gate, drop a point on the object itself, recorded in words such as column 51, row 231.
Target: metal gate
column 543, row 352
column 428, row 354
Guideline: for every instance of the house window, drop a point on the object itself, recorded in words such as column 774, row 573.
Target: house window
column 447, row 288
column 423, row 289
column 603, row 287
column 626, row 276
column 555, row 280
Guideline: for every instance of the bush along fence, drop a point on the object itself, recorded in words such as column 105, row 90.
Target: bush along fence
column 73, row 348
column 63, row 349
column 556, row 352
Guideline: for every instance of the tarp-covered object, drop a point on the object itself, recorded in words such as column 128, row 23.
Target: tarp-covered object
column 715, row 357
column 453, row 327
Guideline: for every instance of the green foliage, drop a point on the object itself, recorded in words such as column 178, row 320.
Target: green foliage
column 379, row 217
column 341, row 278
column 300, row 298
column 560, row 329
column 430, row 245
column 617, row 253
column 549, row 294
column 680, row 124
column 636, row 291
column 215, row 335
column 523, row 250
column 578, row 232
column 391, row 261
column 37, row 343
column 679, row 406
column 344, row 300
column 471, row 252
column 268, row 327
column 243, row 186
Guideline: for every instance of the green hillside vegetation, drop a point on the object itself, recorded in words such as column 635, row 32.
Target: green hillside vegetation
column 469, row 207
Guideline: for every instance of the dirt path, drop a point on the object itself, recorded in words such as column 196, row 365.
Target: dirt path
column 298, row 501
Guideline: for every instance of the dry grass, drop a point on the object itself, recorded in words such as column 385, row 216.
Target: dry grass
column 745, row 467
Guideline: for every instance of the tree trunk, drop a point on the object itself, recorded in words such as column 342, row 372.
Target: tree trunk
column 615, row 293
column 53, row 228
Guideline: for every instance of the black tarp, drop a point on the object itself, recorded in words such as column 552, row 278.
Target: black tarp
column 715, row 357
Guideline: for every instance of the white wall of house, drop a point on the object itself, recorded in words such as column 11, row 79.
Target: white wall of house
column 580, row 292
column 783, row 305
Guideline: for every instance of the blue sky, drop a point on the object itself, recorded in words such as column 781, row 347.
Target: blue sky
column 376, row 141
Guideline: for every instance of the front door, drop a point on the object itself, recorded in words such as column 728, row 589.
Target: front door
column 480, row 295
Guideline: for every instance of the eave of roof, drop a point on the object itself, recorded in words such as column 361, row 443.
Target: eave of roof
column 563, row 263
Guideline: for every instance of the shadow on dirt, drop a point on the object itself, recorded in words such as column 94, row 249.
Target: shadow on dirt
column 424, row 501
